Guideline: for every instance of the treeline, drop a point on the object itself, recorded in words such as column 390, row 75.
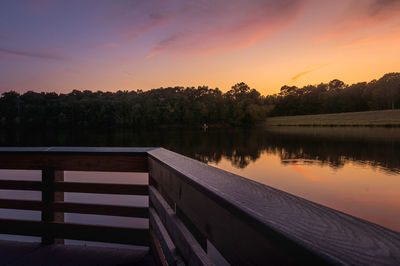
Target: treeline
column 338, row 97
column 134, row 109
column 239, row 106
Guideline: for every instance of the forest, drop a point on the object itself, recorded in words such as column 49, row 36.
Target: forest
column 134, row 109
column 338, row 97
column 190, row 106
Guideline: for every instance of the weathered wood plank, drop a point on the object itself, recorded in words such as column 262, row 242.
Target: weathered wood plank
column 102, row 188
column 74, row 161
column 168, row 247
column 158, row 254
column 120, row 235
column 32, row 205
column 20, row 227
column 49, row 195
column 20, row 185
column 72, row 207
column 250, row 223
column 101, row 209
column 93, row 150
column 183, row 239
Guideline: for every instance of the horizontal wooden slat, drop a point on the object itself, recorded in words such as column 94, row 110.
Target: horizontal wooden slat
column 120, row 235
column 20, row 185
column 101, row 209
column 33, row 205
column 251, row 224
column 100, row 188
column 165, row 241
column 183, row 239
column 126, row 189
column 79, row 150
column 19, row 227
column 74, row 161
column 72, row 207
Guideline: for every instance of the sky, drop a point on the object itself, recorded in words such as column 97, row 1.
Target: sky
column 135, row 44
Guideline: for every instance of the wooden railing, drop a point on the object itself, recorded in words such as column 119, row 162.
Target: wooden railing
column 53, row 163
column 191, row 207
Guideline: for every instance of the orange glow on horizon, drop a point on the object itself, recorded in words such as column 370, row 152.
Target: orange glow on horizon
column 266, row 44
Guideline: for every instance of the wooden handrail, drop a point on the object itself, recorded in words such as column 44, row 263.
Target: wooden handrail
column 192, row 204
column 53, row 162
column 251, row 223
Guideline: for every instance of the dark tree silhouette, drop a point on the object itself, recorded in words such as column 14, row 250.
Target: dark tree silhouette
column 134, row 109
column 337, row 97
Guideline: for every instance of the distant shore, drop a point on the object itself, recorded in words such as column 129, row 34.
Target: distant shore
column 383, row 118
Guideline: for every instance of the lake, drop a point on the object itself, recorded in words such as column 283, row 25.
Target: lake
column 355, row 170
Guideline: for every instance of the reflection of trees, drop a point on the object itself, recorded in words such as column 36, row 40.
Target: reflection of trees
column 240, row 146
column 335, row 152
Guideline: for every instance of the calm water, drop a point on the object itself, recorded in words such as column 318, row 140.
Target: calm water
column 355, row 170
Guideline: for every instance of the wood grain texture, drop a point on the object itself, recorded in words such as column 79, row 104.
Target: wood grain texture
column 190, row 249
column 169, row 249
column 96, row 150
column 72, row 207
column 101, row 209
column 75, row 159
column 33, row 205
column 292, row 229
column 49, row 177
column 157, row 251
column 102, row 188
column 21, row 185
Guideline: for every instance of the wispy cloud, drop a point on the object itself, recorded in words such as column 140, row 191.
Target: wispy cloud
column 209, row 27
column 38, row 55
column 382, row 7
column 165, row 44
column 296, row 77
column 362, row 15
column 305, row 72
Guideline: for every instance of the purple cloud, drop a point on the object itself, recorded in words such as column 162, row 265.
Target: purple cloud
column 38, row 55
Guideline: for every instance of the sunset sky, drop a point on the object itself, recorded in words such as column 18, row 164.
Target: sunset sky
column 135, row 44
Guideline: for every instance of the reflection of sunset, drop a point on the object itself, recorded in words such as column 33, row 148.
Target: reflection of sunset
column 362, row 191
column 310, row 176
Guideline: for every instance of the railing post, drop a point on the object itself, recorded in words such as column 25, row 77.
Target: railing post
column 49, row 176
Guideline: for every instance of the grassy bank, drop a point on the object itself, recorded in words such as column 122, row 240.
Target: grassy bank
column 368, row 118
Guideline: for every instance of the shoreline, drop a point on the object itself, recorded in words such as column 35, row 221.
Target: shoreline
column 382, row 118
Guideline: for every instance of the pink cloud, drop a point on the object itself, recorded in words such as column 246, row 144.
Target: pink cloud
column 212, row 29
column 362, row 15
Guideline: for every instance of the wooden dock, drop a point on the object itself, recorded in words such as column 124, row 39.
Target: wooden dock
column 191, row 206
column 36, row 254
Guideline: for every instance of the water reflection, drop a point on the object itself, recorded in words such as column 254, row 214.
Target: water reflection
column 355, row 170
column 333, row 147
